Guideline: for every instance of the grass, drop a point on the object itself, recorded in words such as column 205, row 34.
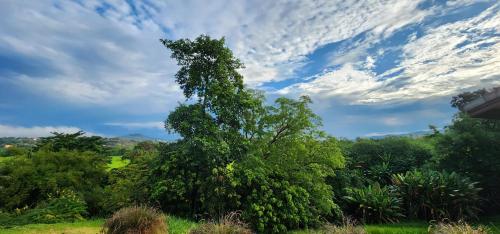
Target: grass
column 80, row 227
column 4, row 159
column 182, row 226
column 175, row 225
column 492, row 223
column 398, row 228
column 117, row 162
column 179, row 226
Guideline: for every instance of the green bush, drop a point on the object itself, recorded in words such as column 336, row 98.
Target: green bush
column 27, row 181
column 438, row 195
column 136, row 219
column 380, row 158
column 274, row 202
column 275, row 205
column 128, row 185
column 373, row 204
column 471, row 147
column 66, row 207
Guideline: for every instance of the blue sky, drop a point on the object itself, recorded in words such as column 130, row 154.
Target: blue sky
column 372, row 67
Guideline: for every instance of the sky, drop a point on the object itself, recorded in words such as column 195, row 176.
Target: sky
column 372, row 67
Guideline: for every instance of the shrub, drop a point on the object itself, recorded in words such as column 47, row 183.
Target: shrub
column 274, row 205
column 27, row 181
column 229, row 224
column 374, row 204
column 66, row 207
column 471, row 147
column 437, row 195
column 136, row 219
column 457, row 228
column 127, row 185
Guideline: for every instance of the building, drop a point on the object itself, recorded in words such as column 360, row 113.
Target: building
column 487, row 106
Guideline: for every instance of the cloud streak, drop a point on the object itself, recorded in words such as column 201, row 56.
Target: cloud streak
column 446, row 60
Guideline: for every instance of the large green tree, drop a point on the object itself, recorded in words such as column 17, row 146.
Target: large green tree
column 71, row 141
column 213, row 125
column 235, row 152
column 471, row 146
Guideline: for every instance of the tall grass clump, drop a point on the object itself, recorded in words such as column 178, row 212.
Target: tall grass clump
column 228, row 224
column 457, row 228
column 137, row 220
column 348, row 226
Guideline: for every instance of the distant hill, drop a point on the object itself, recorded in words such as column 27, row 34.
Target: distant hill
column 19, row 141
column 415, row 134
column 128, row 140
column 137, row 137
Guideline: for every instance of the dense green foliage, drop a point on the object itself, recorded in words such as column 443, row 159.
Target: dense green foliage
column 236, row 153
column 27, row 181
column 375, row 204
column 438, row 195
column 471, row 147
column 65, row 206
column 75, row 141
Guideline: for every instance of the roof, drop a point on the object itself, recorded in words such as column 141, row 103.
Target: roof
column 486, row 106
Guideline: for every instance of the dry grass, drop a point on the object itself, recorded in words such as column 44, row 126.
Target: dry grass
column 348, row 226
column 136, row 220
column 457, row 228
column 229, row 224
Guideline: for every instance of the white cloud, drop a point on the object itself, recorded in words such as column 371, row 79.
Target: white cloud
column 273, row 37
column 449, row 59
column 116, row 59
column 107, row 61
column 36, row 131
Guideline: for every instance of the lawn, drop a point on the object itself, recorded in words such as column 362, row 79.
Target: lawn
column 117, row 162
column 493, row 224
column 400, row 228
column 4, row 159
column 181, row 226
column 175, row 225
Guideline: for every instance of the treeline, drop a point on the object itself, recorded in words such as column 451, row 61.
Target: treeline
column 271, row 163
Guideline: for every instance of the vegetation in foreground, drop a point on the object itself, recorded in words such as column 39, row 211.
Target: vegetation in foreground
column 183, row 226
column 270, row 162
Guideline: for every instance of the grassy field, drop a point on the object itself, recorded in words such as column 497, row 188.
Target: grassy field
column 3, row 159
column 181, row 226
column 493, row 224
column 176, row 226
column 117, row 162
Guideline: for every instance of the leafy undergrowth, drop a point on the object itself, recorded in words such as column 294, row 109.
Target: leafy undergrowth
column 117, row 162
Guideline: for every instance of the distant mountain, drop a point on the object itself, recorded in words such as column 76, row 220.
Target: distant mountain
column 127, row 140
column 415, row 134
column 137, row 137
